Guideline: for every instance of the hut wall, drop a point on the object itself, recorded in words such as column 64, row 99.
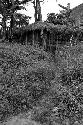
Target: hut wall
column 29, row 37
column 37, row 34
column 48, row 41
column 52, row 41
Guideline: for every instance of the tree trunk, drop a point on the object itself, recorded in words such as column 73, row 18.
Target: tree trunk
column 11, row 27
column 35, row 14
column 37, row 7
column 4, row 26
column 12, row 20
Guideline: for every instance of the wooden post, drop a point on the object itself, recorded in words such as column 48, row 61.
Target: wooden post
column 44, row 41
column 49, row 42
column 37, row 37
column 33, row 38
column 44, row 44
column 37, row 40
column 26, row 39
column 57, row 44
column 41, row 36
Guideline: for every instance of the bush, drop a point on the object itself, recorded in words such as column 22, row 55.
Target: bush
column 70, row 83
column 63, row 104
column 31, row 80
column 25, row 75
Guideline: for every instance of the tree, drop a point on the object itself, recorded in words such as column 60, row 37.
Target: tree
column 21, row 20
column 14, row 6
column 8, row 10
column 3, row 12
column 62, row 18
column 37, row 7
column 54, row 18
column 65, row 13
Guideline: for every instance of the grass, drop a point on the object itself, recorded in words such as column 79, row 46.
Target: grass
column 25, row 75
column 49, row 88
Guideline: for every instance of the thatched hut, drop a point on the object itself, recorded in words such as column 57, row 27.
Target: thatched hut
column 40, row 33
column 46, row 35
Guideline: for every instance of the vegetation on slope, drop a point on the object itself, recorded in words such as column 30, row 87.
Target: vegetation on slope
column 63, row 104
column 25, row 75
column 30, row 80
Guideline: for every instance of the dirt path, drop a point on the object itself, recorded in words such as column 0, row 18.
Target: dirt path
column 21, row 119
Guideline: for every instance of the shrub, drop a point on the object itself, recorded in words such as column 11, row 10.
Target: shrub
column 70, row 83
column 63, row 104
column 25, row 75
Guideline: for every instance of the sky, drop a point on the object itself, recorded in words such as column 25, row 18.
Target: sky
column 50, row 6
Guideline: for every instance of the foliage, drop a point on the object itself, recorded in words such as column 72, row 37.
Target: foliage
column 25, row 75
column 69, row 35
column 63, row 18
column 31, row 80
column 64, row 29
column 63, row 103
column 70, row 89
column 21, row 20
column 8, row 11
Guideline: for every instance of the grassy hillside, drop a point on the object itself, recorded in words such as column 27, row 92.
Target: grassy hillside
column 25, row 75
column 49, row 88
column 63, row 104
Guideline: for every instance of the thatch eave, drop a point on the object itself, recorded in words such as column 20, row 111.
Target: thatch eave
column 40, row 26
column 50, row 27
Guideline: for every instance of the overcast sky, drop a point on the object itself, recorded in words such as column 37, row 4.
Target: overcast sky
column 50, row 6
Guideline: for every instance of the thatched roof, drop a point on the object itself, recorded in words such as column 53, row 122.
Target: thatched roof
column 41, row 26
column 48, row 26
column 45, row 25
column 51, row 27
